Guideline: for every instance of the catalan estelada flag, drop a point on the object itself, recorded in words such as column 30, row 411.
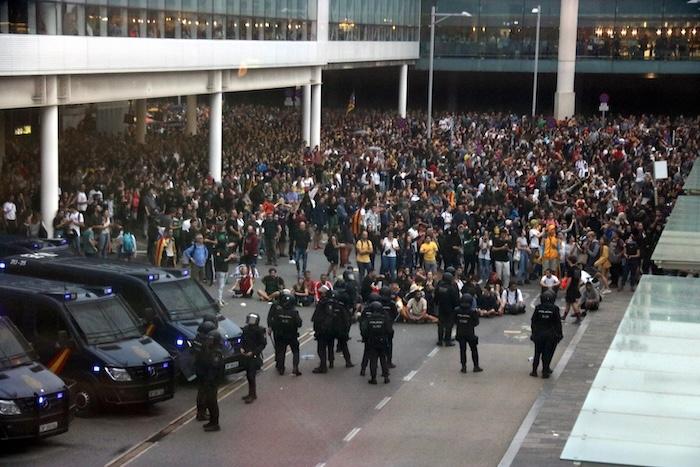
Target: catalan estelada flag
column 351, row 103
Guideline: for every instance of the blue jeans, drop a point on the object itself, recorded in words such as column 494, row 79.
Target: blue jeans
column 389, row 265
column 364, row 269
column 484, row 269
column 104, row 244
column 522, row 266
column 300, row 254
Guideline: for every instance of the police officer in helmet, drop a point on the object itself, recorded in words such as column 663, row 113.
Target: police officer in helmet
column 341, row 323
column 446, row 298
column 375, row 330
column 252, row 344
column 211, row 375
column 392, row 313
column 283, row 323
column 364, row 316
column 466, row 319
column 546, row 332
column 322, row 320
column 200, row 368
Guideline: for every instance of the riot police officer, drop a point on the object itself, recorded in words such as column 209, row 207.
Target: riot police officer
column 364, row 316
column 198, row 349
column 392, row 312
column 375, row 330
column 211, row 375
column 447, row 298
column 284, row 321
column 341, row 323
column 546, row 332
column 252, row 344
column 322, row 320
column 467, row 318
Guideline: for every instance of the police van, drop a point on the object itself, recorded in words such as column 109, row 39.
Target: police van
column 170, row 302
column 34, row 403
column 15, row 245
column 89, row 334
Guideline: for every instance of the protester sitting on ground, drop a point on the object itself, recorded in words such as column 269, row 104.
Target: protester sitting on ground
column 487, row 303
column 302, row 294
column 550, row 282
column 244, row 283
column 512, row 300
column 416, row 309
column 274, row 285
column 590, row 298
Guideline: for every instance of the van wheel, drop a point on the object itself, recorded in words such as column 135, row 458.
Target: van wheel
column 86, row 401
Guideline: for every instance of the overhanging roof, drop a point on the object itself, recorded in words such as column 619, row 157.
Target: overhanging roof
column 692, row 183
column 679, row 245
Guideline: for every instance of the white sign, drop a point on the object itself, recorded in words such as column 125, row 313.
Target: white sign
column 660, row 170
column 603, row 107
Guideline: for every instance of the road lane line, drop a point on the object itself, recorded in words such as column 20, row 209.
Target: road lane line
column 410, row 376
column 141, row 453
column 352, row 434
column 187, row 416
column 433, row 352
column 321, row 464
column 382, row 403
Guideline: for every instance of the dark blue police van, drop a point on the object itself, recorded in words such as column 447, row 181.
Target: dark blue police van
column 89, row 335
column 34, row 403
column 170, row 302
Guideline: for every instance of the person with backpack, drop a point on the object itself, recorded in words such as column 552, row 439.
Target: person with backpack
column 283, row 323
column 322, row 320
column 375, row 331
column 127, row 245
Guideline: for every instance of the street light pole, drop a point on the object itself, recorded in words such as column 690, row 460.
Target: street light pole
column 433, row 22
column 430, row 74
column 537, row 59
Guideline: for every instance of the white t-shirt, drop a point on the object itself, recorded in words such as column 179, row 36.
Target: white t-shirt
column 485, row 249
column 82, row 201
column 75, row 218
column 389, row 246
column 512, row 298
column 549, row 281
column 534, row 239
column 10, row 211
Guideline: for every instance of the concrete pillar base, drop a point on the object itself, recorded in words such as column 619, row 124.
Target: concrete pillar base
column 403, row 90
column 191, row 116
column 215, row 135
column 49, row 166
column 564, row 105
column 141, row 121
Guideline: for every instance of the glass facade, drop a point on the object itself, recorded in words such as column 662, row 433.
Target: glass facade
column 373, row 20
column 293, row 20
column 607, row 29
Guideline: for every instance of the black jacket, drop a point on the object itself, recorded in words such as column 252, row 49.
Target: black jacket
column 446, row 297
column 466, row 319
column 254, row 339
column 376, row 329
column 546, row 322
column 211, row 366
column 323, row 318
column 284, row 322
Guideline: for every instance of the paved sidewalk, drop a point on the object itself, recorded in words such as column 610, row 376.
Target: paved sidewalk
column 548, row 434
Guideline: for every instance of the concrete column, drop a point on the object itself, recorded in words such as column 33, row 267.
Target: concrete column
column 403, row 90
column 306, row 115
column 215, row 135
column 191, row 114
column 49, row 166
column 315, row 115
column 565, row 98
column 2, row 137
column 141, row 121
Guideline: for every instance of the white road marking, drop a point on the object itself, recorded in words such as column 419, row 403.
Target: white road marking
column 382, row 403
column 352, row 434
column 433, row 352
column 321, row 464
column 410, row 376
column 139, row 454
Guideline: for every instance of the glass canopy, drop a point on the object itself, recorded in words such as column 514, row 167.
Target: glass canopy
column 692, row 183
column 679, row 245
column 644, row 405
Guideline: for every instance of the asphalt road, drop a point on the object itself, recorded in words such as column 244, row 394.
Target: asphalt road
column 429, row 412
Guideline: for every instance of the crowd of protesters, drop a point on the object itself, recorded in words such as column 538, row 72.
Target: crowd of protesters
column 497, row 199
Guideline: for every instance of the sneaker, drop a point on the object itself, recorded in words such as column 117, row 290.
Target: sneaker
column 222, row 303
column 291, row 261
column 606, row 291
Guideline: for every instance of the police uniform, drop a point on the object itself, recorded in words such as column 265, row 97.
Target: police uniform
column 364, row 316
column 341, row 323
column 466, row 319
column 392, row 312
column 447, row 298
column 213, row 367
column 284, row 322
column 198, row 349
column 375, row 331
column 252, row 344
column 546, row 332
column 322, row 320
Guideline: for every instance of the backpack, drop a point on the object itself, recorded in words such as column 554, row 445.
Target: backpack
column 376, row 330
column 329, row 251
column 128, row 243
column 339, row 320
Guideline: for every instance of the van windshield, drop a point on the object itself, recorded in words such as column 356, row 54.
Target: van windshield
column 14, row 351
column 104, row 321
column 183, row 299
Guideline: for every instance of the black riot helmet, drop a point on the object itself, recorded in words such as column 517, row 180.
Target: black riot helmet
column 211, row 317
column 213, row 338
column 448, row 277
column 466, row 301
column 286, row 300
column 252, row 318
column 348, row 275
column 451, row 270
column 374, row 297
column 206, row 327
column 376, row 307
column 385, row 292
column 548, row 296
